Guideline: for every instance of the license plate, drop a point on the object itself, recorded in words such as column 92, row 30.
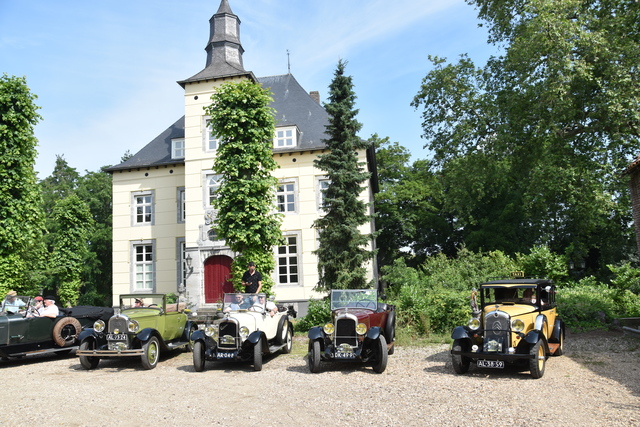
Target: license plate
column 230, row 355
column 342, row 355
column 117, row 337
column 496, row 364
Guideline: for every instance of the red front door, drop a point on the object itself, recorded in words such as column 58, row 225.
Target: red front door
column 217, row 278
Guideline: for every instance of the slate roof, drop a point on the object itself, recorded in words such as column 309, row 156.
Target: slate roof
column 293, row 105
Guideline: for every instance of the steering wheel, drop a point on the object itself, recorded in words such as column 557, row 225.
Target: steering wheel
column 364, row 304
column 152, row 305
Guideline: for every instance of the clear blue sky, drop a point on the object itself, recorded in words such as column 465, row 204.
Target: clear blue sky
column 105, row 72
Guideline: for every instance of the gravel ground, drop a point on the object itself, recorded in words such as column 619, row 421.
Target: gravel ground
column 596, row 382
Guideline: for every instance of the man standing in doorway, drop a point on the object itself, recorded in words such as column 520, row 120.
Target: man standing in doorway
column 252, row 279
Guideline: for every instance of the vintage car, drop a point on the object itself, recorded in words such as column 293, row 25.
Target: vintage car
column 516, row 323
column 361, row 330
column 144, row 326
column 22, row 334
column 251, row 326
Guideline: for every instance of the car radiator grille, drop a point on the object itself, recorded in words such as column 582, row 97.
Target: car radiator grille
column 496, row 332
column 346, row 332
column 118, row 323
column 230, row 329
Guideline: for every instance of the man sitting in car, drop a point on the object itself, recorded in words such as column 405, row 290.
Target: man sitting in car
column 238, row 303
column 259, row 305
column 12, row 304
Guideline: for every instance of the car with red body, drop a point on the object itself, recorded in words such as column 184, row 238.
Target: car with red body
column 361, row 330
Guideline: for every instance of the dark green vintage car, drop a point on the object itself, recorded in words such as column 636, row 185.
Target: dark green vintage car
column 21, row 335
column 145, row 325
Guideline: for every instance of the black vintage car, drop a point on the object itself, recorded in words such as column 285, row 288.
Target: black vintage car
column 361, row 330
column 21, row 335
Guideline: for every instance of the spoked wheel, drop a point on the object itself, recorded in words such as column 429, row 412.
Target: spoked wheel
column 151, row 353
column 257, row 356
column 538, row 360
column 460, row 363
column 89, row 362
column 381, row 354
column 314, row 357
column 198, row 356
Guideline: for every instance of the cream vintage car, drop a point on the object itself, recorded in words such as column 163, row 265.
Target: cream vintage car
column 251, row 326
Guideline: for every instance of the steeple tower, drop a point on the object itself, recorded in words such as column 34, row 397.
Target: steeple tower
column 224, row 50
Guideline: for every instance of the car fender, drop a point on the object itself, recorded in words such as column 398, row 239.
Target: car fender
column 187, row 328
column 558, row 327
column 145, row 334
column 316, row 333
column 374, row 332
column 198, row 335
column 88, row 333
column 460, row 333
column 255, row 336
column 534, row 336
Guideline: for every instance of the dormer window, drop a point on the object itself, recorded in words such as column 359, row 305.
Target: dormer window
column 286, row 137
column 177, row 148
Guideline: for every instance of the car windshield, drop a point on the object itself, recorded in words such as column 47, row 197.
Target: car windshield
column 354, row 298
column 509, row 294
column 242, row 301
column 11, row 304
column 141, row 301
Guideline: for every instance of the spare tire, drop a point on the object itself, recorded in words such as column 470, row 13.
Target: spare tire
column 66, row 331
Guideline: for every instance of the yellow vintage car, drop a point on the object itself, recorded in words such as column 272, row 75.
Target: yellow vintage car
column 516, row 323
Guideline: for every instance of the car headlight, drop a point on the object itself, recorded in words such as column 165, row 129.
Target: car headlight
column 133, row 325
column 244, row 332
column 328, row 328
column 517, row 325
column 361, row 329
column 474, row 324
column 99, row 325
column 211, row 331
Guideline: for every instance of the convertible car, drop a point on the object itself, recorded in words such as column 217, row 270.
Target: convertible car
column 21, row 334
column 251, row 327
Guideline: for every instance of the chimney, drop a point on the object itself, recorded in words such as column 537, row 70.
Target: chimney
column 315, row 95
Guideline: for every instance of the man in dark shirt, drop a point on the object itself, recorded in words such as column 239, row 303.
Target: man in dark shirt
column 252, row 279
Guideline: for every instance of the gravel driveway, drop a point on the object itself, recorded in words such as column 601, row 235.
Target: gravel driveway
column 596, row 383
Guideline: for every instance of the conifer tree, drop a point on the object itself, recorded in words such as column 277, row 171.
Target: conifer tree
column 342, row 252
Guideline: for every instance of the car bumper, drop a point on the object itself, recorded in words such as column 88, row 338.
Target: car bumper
column 111, row 353
column 475, row 355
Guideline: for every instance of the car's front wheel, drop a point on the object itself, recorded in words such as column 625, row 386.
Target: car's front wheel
column 191, row 344
column 151, row 354
column 381, row 355
column 198, row 356
column 257, row 356
column 460, row 363
column 88, row 362
column 314, row 357
column 538, row 360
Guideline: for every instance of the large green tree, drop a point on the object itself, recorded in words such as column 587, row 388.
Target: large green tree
column 530, row 147
column 70, row 247
column 342, row 251
column 20, row 203
column 244, row 122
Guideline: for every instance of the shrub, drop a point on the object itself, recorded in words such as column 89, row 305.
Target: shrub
column 319, row 313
